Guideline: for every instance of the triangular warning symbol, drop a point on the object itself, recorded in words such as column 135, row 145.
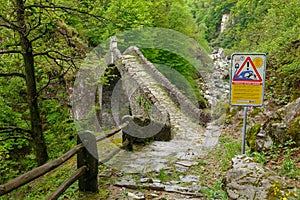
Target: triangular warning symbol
column 247, row 74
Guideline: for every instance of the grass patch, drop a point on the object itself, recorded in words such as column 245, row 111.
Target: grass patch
column 42, row 187
column 283, row 159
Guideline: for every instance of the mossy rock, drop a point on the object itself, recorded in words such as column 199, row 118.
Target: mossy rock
column 255, row 112
column 293, row 131
column 278, row 116
column 251, row 136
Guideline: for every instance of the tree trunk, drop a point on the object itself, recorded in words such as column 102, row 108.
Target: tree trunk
column 38, row 140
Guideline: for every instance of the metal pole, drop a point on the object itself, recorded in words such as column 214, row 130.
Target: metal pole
column 244, row 129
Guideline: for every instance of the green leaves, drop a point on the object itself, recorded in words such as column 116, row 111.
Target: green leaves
column 179, row 72
column 270, row 26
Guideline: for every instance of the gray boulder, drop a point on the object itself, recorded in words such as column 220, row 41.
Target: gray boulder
column 250, row 180
column 282, row 126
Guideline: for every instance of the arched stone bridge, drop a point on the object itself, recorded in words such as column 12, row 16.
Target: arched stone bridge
column 141, row 79
column 156, row 109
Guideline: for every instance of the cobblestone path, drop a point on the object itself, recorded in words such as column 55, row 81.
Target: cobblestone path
column 186, row 145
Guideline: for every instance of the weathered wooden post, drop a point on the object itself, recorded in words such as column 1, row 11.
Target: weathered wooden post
column 88, row 156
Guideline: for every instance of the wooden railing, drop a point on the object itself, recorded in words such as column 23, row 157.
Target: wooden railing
column 87, row 166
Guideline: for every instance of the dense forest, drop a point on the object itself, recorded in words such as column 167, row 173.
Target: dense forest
column 44, row 42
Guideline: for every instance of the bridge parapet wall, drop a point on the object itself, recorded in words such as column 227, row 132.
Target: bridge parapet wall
column 145, row 108
column 181, row 100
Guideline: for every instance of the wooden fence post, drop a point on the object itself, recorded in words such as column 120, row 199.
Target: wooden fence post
column 88, row 156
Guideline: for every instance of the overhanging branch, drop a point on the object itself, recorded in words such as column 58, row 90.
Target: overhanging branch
column 14, row 138
column 9, row 24
column 48, row 54
column 12, row 74
column 10, row 129
column 65, row 9
column 6, row 26
column 9, row 51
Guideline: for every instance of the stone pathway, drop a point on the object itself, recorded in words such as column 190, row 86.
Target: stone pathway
column 187, row 142
column 191, row 141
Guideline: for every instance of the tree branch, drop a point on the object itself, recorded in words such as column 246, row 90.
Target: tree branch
column 9, row 24
column 35, row 26
column 13, row 45
column 12, row 74
column 40, row 35
column 15, row 137
column 50, row 79
column 10, row 129
column 66, row 9
column 47, row 53
column 45, row 86
column 9, row 51
column 6, row 26
column 67, row 59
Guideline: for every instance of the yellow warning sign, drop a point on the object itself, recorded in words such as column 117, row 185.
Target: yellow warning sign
column 247, row 78
column 246, row 94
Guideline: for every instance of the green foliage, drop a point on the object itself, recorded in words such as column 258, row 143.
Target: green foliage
column 230, row 149
column 144, row 103
column 162, row 176
column 60, row 130
column 282, row 158
column 264, row 26
column 251, row 136
column 294, row 130
column 179, row 72
column 121, row 15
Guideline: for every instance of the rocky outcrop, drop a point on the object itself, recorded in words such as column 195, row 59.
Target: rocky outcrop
column 282, row 126
column 250, row 180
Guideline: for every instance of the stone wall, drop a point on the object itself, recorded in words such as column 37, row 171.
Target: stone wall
column 181, row 100
column 139, row 97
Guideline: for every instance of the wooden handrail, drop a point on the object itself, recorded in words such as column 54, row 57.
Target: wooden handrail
column 37, row 172
column 41, row 170
column 63, row 187
column 111, row 132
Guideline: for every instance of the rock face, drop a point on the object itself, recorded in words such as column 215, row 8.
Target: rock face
column 250, row 180
column 282, row 126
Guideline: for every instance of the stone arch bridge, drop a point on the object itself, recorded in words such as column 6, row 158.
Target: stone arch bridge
column 154, row 107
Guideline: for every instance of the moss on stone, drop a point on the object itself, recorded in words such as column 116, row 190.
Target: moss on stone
column 293, row 131
column 255, row 112
column 251, row 136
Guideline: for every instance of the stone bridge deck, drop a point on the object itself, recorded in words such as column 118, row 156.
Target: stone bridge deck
column 182, row 125
column 189, row 135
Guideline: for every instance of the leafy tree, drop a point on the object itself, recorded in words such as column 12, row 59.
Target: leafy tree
column 42, row 43
column 208, row 15
column 269, row 26
column 116, row 16
column 37, row 51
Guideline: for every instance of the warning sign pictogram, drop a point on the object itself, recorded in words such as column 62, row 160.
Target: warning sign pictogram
column 247, row 79
column 247, row 72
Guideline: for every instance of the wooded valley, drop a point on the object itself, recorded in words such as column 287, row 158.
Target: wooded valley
column 43, row 43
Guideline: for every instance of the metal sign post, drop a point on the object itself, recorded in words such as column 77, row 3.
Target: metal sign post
column 247, row 82
column 244, row 129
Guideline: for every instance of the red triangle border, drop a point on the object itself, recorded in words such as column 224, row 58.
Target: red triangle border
column 254, row 68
